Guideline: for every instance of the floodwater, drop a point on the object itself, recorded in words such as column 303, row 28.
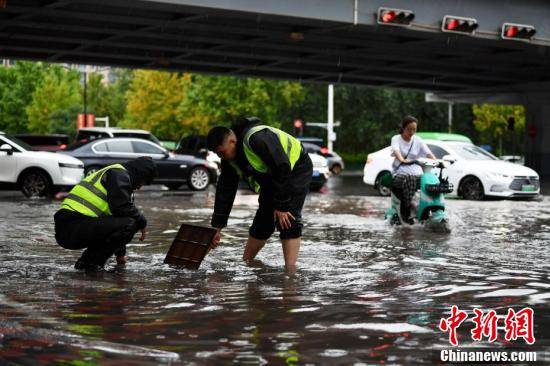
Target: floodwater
column 363, row 293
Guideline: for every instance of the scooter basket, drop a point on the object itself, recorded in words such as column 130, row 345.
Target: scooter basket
column 439, row 188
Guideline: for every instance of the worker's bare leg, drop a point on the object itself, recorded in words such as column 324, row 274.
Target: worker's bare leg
column 291, row 247
column 253, row 246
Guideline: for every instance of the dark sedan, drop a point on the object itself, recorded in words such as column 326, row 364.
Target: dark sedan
column 174, row 170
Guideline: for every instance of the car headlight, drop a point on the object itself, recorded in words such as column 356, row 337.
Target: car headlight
column 72, row 166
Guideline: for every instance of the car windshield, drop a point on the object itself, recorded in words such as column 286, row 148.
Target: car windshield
column 15, row 140
column 473, row 152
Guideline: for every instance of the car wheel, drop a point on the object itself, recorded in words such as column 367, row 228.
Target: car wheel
column 91, row 170
column 199, row 178
column 383, row 191
column 336, row 169
column 35, row 184
column 173, row 186
column 471, row 188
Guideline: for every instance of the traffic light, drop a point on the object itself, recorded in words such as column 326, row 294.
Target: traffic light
column 517, row 32
column 298, row 127
column 390, row 16
column 460, row 25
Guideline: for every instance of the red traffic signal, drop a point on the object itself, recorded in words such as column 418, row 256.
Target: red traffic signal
column 517, row 32
column 460, row 25
column 394, row 16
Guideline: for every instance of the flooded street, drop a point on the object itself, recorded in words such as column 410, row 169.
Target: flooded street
column 364, row 292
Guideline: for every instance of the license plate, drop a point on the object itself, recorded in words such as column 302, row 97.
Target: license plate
column 316, row 173
column 528, row 188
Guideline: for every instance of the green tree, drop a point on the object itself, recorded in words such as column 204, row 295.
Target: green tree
column 220, row 99
column 117, row 95
column 153, row 100
column 492, row 123
column 97, row 96
column 369, row 117
column 17, row 85
column 58, row 91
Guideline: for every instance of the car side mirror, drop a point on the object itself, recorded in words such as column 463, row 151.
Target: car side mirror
column 7, row 149
column 449, row 158
column 166, row 154
column 203, row 152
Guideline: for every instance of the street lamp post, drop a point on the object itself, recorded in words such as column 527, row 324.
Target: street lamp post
column 85, row 93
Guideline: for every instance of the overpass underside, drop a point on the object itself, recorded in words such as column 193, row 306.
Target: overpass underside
column 344, row 46
column 318, row 41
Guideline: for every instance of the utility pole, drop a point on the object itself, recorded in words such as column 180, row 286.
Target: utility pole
column 450, row 117
column 331, row 136
column 85, row 97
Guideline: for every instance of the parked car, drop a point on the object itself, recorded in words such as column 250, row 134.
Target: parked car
column 474, row 172
column 94, row 133
column 51, row 142
column 174, row 170
column 312, row 140
column 335, row 162
column 196, row 145
column 36, row 173
column 320, row 173
column 443, row 136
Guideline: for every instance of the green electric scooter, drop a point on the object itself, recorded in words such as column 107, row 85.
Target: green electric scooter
column 430, row 209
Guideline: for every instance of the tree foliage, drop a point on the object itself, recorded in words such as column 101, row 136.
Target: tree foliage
column 45, row 98
column 220, row 99
column 153, row 100
column 17, row 85
column 491, row 121
column 58, row 91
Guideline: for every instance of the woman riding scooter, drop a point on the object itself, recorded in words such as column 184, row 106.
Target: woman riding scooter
column 406, row 148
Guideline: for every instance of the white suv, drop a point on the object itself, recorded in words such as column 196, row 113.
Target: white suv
column 93, row 133
column 36, row 173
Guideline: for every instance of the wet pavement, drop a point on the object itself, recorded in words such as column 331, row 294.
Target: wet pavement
column 364, row 292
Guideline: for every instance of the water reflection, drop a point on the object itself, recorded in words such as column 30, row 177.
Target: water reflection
column 364, row 292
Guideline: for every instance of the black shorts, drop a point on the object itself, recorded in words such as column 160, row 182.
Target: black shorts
column 264, row 221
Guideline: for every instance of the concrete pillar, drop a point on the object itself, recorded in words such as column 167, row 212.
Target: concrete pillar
column 537, row 138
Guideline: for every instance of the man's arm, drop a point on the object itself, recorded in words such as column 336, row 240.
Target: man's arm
column 267, row 146
column 226, row 189
column 119, row 196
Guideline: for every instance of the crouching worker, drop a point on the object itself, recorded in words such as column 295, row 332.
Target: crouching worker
column 99, row 215
column 275, row 165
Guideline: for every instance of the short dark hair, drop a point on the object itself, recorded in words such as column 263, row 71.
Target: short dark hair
column 408, row 119
column 216, row 137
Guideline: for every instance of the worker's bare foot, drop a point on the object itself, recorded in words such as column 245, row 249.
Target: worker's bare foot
column 256, row 263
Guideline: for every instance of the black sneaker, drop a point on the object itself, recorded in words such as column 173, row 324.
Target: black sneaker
column 80, row 265
column 409, row 220
column 87, row 267
column 94, row 268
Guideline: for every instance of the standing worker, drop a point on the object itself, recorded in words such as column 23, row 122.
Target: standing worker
column 275, row 165
column 99, row 213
